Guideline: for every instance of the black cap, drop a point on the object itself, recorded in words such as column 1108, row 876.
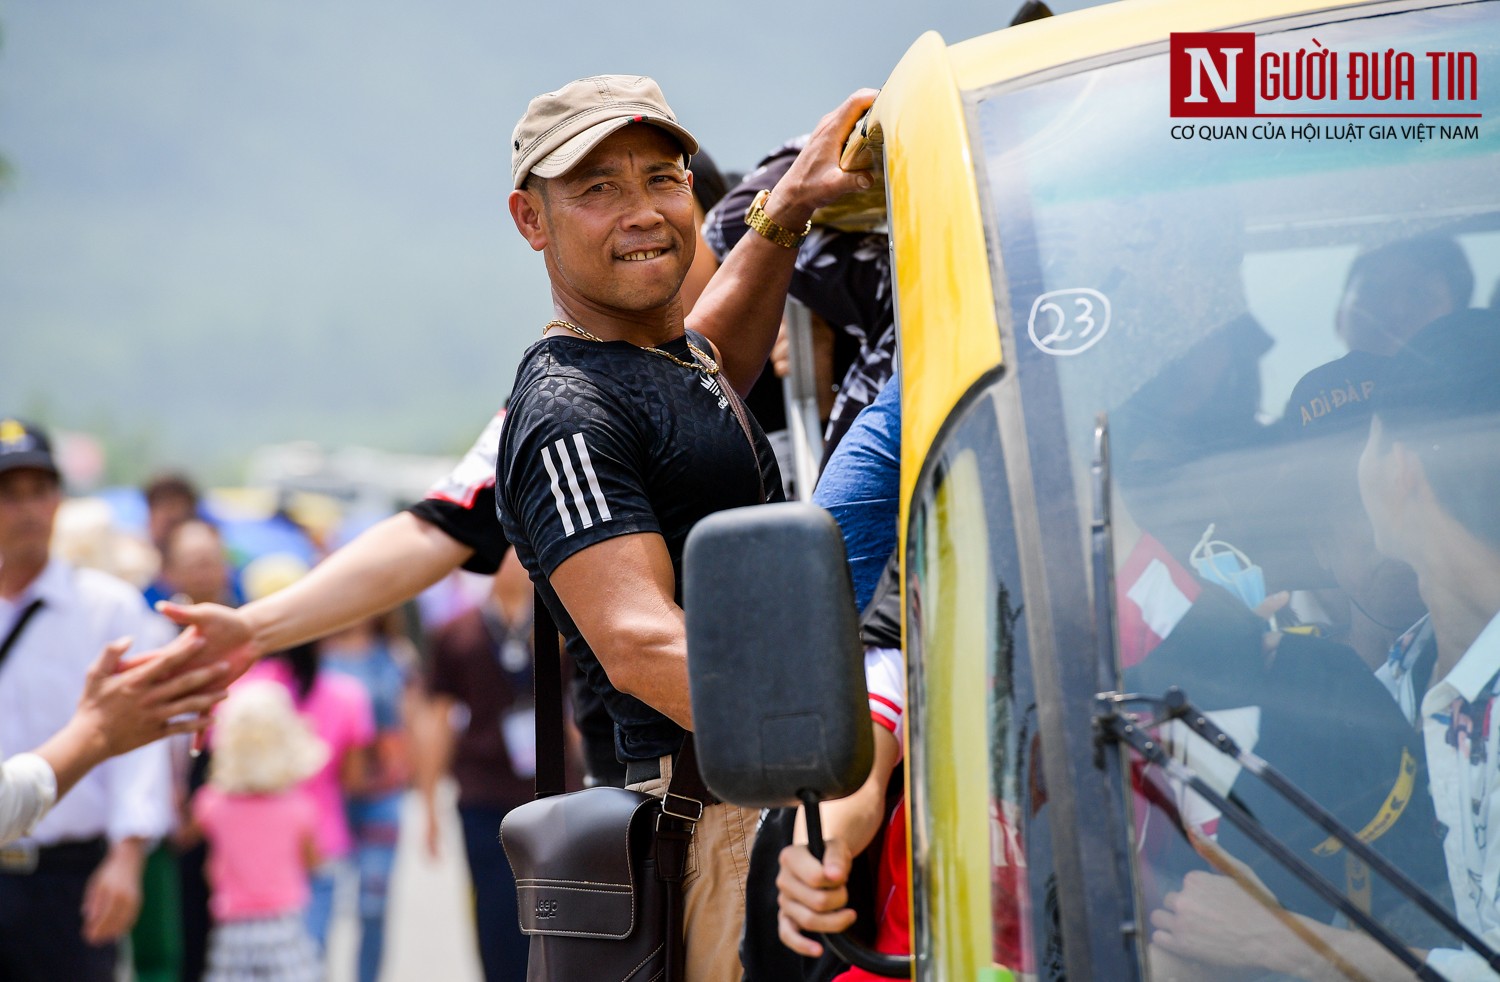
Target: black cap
column 1320, row 436
column 1335, row 397
column 23, row 445
column 1310, row 471
column 1447, row 371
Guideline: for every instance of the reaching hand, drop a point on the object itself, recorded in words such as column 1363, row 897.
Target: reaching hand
column 125, row 706
column 128, row 705
column 1230, row 919
column 811, row 895
column 225, row 632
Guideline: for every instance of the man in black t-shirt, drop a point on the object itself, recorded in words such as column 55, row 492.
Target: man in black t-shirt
column 606, row 440
column 621, row 432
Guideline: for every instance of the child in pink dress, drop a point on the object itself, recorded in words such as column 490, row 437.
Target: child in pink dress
column 337, row 710
column 261, row 838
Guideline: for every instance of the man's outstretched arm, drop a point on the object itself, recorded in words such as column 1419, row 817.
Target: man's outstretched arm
column 388, row 564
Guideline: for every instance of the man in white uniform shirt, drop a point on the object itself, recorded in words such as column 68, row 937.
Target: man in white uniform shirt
column 1430, row 480
column 73, row 887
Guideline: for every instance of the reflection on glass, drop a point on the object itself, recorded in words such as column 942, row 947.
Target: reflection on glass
column 965, row 621
column 1291, row 345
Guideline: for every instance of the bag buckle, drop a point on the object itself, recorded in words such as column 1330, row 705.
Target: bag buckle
column 667, row 807
column 19, row 857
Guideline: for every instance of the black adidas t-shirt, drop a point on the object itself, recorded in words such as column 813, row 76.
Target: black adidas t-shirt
column 605, row 439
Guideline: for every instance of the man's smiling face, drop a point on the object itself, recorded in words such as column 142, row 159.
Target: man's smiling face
column 619, row 225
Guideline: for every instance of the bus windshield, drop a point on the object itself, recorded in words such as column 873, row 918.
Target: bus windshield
column 1294, row 338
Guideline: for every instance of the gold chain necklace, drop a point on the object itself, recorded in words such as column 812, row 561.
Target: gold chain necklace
column 707, row 366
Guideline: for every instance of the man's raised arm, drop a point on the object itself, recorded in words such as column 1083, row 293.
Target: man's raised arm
column 740, row 309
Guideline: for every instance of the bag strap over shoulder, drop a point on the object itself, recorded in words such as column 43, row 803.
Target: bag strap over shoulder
column 740, row 413
column 14, row 634
column 682, row 806
column 547, row 676
column 686, row 793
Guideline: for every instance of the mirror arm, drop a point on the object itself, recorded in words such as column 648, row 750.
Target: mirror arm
column 875, row 962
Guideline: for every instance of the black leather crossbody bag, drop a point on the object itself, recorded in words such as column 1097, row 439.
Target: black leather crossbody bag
column 598, row 872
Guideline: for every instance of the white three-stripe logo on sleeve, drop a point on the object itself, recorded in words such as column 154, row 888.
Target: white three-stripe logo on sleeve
column 591, row 477
column 569, row 496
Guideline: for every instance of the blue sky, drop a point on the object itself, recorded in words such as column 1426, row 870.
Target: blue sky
column 240, row 221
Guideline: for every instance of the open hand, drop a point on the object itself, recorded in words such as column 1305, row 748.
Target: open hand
column 126, row 705
column 225, row 632
column 1228, row 919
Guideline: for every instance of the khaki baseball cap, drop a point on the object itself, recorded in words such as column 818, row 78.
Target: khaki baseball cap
column 560, row 128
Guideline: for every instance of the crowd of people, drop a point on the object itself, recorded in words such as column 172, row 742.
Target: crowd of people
column 215, row 851
column 224, row 847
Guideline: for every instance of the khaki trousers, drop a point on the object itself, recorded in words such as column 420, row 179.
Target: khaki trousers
column 714, row 887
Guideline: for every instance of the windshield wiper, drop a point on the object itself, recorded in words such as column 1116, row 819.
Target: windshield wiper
column 1174, row 705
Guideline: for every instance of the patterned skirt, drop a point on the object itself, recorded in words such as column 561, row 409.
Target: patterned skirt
column 263, row 949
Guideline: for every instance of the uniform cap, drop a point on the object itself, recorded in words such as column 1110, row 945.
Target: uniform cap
column 24, row 445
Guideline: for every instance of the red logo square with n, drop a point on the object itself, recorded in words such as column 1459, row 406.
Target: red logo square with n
column 1213, row 74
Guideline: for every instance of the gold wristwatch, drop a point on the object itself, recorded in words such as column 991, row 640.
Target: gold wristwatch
column 757, row 219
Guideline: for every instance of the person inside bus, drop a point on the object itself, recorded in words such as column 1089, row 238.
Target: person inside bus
column 1393, row 291
column 1366, row 598
column 1170, row 436
column 1429, row 477
column 1298, row 701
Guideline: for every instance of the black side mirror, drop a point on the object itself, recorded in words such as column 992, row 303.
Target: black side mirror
column 775, row 665
column 777, row 671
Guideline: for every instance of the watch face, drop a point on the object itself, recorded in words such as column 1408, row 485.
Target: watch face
column 756, row 204
column 767, row 226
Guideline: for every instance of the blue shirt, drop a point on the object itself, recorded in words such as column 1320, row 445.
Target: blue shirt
column 381, row 675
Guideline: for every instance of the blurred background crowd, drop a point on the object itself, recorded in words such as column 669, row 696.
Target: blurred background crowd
column 376, row 696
